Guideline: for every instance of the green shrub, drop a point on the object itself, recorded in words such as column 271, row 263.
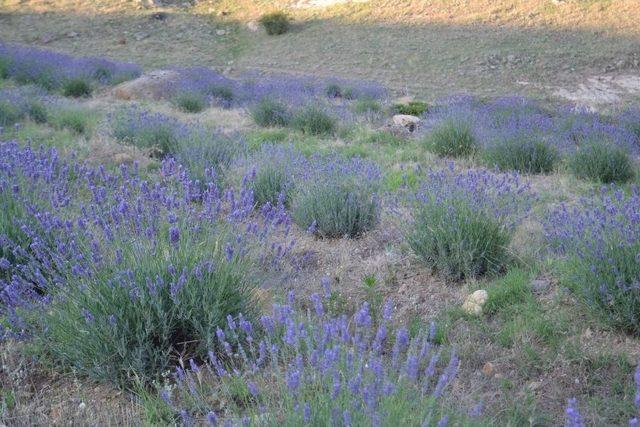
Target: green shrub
column 146, row 130
column 335, row 207
column 333, row 90
column 4, row 68
column 223, row 93
column 452, row 138
column 463, row 222
column 602, row 162
column 272, row 185
column 189, row 102
column 9, row 113
column 77, row 88
column 173, row 301
column 366, row 106
column 524, row 155
column 459, row 241
column 38, row 112
column 313, row 120
column 74, row 119
column 268, row 112
column 203, row 150
column 275, row 23
column 413, row 108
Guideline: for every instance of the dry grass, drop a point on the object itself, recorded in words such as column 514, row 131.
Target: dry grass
column 431, row 48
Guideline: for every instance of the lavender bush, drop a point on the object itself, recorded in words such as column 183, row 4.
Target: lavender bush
column 313, row 120
column 599, row 240
column 274, row 171
column 463, row 221
column 602, row 162
column 17, row 104
column 452, row 138
column 118, row 277
column 337, row 197
column 268, row 113
column 52, row 70
column 314, row 369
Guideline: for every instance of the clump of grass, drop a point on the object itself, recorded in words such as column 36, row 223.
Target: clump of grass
column 366, row 106
column 74, row 119
column 272, row 185
column 222, row 93
column 77, row 88
column 275, row 23
column 313, row 120
column 522, row 154
column 38, row 112
column 452, row 138
column 413, row 108
column 269, row 113
column 338, row 201
column 602, row 162
column 189, row 102
column 9, row 113
column 463, row 223
column 4, row 67
column 147, row 130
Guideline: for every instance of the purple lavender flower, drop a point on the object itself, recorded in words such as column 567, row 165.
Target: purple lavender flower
column 573, row 417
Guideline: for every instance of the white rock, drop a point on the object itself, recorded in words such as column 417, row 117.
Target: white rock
column 479, row 297
column 407, row 121
column 252, row 26
column 221, row 32
column 474, row 302
column 472, row 308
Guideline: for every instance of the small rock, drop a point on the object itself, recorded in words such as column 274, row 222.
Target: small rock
column 221, row 32
column 406, row 121
column 159, row 16
column 252, row 26
column 140, row 36
column 539, row 286
column 122, row 40
column 474, row 302
column 72, row 34
column 488, row 369
column 472, row 308
column 479, row 297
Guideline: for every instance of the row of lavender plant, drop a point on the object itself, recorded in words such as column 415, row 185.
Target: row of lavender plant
column 564, row 128
column 52, row 70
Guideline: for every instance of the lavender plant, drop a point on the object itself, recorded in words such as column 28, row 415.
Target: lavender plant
column 337, row 197
column 602, row 162
column 463, row 222
column 121, row 282
column 275, row 170
column 17, row 104
column 599, row 241
column 147, row 130
column 522, row 154
column 268, row 112
column 313, row 120
column 452, row 138
column 311, row 369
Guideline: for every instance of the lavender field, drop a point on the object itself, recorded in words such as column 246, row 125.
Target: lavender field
column 270, row 249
